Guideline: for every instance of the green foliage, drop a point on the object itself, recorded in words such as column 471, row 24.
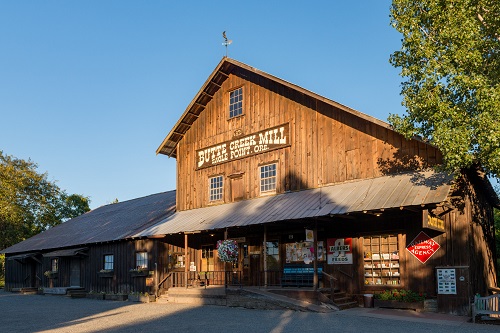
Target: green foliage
column 29, row 203
column 2, row 270
column 400, row 295
column 450, row 62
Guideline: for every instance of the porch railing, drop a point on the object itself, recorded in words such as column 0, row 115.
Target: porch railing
column 226, row 278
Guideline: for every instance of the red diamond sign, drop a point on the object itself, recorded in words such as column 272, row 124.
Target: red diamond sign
column 423, row 247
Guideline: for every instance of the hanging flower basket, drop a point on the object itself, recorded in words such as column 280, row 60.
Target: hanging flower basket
column 227, row 250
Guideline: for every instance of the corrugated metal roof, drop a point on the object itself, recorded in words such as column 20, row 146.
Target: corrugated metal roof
column 411, row 189
column 107, row 223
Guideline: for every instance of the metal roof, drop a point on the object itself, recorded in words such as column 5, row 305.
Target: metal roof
column 107, row 223
column 393, row 191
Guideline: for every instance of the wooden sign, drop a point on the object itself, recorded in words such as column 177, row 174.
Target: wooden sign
column 248, row 145
column 432, row 222
column 423, row 247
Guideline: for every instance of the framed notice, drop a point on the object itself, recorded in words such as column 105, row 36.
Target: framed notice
column 447, row 281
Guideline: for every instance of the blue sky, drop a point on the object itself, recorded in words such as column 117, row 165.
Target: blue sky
column 89, row 89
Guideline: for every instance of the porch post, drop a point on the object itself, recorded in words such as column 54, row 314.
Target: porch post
column 186, row 259
column 265, row 256
column 315, row 247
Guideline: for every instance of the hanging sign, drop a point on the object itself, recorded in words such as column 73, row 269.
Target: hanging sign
column 432, row 222
column 259, row 142
column 339, row 251
column 423, row 247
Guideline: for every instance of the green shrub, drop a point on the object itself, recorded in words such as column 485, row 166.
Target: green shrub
column 400, row 295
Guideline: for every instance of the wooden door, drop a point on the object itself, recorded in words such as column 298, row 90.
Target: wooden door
column 74, row 277
column 254, row 269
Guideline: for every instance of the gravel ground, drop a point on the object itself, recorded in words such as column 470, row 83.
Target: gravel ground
column 36, row 313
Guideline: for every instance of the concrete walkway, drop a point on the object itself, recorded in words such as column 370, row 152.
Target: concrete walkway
column 55, row 314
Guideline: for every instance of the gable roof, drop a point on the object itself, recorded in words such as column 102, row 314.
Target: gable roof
column 212, row 85
column 415, row 189
column 107, row 223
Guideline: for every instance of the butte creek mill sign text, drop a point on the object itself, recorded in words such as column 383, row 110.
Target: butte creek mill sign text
column 244, row 146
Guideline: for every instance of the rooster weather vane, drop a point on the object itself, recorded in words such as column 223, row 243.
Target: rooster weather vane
column 226, row 41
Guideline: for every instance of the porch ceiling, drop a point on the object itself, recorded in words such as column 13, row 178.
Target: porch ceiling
column 395, row 191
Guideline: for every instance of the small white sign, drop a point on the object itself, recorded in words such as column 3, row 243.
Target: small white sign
column 447, row 281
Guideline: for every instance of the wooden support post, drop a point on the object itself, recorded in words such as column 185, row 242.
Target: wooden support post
column 265, row 256
column 315, row 254
column 186, row 259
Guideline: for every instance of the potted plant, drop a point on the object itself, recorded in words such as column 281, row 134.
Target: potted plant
column 139, row 272
column 51, row 274
column 95, row 295
column 116, row 297
column 399, row 299
column 106, row 273
column 141, row 297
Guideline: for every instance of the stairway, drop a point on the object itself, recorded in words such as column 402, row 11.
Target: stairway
column 76, row 293
column 340, row 299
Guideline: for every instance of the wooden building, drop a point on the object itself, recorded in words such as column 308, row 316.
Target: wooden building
column 298, row 179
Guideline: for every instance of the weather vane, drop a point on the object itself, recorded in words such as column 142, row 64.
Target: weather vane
column 226, row 41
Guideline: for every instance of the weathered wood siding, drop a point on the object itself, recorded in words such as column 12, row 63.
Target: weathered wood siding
column 328, row 145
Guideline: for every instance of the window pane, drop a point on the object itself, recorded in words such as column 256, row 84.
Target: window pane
column 216, row 188
column 141, row 260
column 108, row 261
column 268, row 178
column 236, row 103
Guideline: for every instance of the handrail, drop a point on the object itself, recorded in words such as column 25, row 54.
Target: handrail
column 332, row 285
column 346, row 274
column 161, row 282
column 494, row 289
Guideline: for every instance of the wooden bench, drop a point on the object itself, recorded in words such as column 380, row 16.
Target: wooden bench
column 299, row 275
column 487, row 305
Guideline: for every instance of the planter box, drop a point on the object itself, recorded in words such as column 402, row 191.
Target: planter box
column 140, row 273
column 399, row 305
column 106, row 274
column 141, row 298
column 116, row 297
column 95, row 296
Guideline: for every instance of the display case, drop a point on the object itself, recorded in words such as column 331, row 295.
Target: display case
column 381, row 260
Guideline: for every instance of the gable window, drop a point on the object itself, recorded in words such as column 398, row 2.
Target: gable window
column 268, row 178
column 216, row 188
column 109, row 260
column 236, row 103
column 54, row 265
column 141, row 260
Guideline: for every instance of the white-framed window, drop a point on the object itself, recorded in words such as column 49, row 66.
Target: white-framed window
column 109, row 261
column 141, row 260
column 216, row 188
column 54, row 265
column 268, row 177
column 236, row 103
column 273, row 254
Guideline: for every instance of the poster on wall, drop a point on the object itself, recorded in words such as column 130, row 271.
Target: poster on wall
column 303, row 252
column 339, row 251
column 447, row 281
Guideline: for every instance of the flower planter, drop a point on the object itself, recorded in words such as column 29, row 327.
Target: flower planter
column 106, row 274
column 399, row 305
column 141, row 298
column 116, row 297
column 98, row 296
column 139, row 273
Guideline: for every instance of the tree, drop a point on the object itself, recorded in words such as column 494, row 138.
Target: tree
column 450, row 62
column 29, row 203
